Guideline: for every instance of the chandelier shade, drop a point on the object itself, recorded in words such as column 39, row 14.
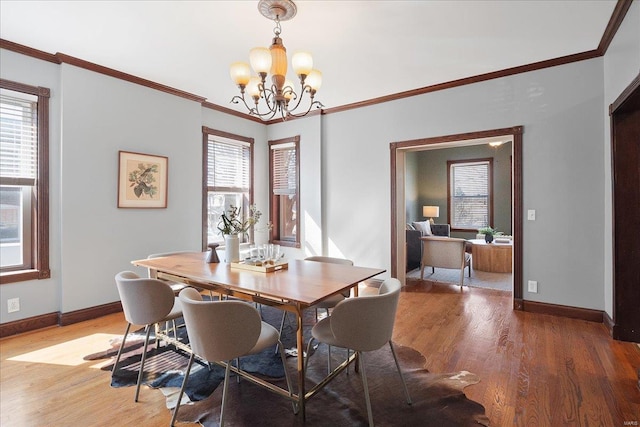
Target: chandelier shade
column 266, row 98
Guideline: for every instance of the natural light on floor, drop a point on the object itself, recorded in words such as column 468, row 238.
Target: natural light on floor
column 70, row 353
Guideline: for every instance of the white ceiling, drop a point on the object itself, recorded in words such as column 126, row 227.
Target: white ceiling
column 365, row 49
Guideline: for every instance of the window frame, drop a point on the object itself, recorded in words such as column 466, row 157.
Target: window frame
column 206, row 134
column 450, row 196
column 274, row 205
column 39, row 264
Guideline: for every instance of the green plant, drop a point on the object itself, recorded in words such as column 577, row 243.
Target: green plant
column 232, row 223
column 490, row 231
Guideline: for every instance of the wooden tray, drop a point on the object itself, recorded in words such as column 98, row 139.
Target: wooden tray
column 243, row 265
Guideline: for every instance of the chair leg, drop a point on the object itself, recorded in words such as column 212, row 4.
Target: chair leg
column 421, row 272
column 284, row 317
column 144, row 357
column 224, row 392
column 286, row 376
column 328, row 359
column 184, row 385
column 404, row 384
column 306, row 359
column 366, row 388
column 124, row 339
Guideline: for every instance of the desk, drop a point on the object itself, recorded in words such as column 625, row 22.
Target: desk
column 492, row 257
column 302, row 285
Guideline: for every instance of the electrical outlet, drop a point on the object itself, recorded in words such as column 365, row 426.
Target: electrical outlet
column 533, row 286
column 13, row 305
column 531, row 215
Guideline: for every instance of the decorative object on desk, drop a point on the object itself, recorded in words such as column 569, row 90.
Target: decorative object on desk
column 438, row 398
column 231, row 225
column 431, row 212
column 489, row 233
column 212, row 256
column 142, row 180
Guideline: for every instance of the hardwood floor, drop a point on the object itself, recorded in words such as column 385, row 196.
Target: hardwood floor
column 535, row 370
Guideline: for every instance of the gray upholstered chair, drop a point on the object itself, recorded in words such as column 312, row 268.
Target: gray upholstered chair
column 444, row 252
column 220, row 331
column 363, row 324
column 329, row 302
column 145, row 302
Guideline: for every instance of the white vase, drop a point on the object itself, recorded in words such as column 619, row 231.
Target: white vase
column 231, row 248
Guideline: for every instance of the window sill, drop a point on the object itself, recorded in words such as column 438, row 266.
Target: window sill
column 23, row 276
column 286, row 243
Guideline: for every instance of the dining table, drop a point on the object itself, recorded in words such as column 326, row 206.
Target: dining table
column 297, row 286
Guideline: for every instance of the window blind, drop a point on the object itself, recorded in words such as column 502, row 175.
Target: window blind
column 284, row 176
column 228, row 165
column 470, row 195
column 18, row 139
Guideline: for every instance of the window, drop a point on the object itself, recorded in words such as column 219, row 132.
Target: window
column 284, row 185
column 24, row 183
column 228, row 171
column 470, row 194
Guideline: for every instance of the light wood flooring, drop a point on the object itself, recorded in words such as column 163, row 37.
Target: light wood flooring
column 535, row 370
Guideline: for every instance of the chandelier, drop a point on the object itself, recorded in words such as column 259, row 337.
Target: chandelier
column 279, row 96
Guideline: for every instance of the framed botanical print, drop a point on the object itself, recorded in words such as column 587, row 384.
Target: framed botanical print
column 142, row 180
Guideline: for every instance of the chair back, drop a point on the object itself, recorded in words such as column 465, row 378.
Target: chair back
column 366, row 323
column 144, row 301
column 443, row 252
column 329, row 259
column 219, row 330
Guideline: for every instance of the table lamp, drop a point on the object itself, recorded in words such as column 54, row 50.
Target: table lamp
column 430, row 212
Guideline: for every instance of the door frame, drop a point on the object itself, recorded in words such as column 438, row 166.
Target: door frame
column 397, row 157
column 625, row 153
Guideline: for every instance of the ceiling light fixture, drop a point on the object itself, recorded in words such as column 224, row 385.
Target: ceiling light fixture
column 280, row 96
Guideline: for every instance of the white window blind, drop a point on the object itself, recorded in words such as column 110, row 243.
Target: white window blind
column 18, row 138
column 228, row 165
column 284, row 172
column 470, row 195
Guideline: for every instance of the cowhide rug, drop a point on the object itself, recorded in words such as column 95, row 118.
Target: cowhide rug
column 438, row 399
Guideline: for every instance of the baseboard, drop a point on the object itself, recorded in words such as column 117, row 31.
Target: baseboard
column 608, row 322
column 57, row 319
column 89, row 313
column 26, row 325
column 563, row 311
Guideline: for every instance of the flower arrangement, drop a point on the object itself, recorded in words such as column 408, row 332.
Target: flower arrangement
column 231, row 222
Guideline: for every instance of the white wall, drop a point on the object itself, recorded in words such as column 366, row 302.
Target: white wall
column 100, row 116
column 621, row 66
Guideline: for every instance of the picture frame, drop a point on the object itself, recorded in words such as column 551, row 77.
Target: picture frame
column 142, row 180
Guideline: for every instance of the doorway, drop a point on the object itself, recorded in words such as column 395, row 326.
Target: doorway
column 398, row 199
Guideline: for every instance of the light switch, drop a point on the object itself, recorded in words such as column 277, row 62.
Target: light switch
column 531, row 215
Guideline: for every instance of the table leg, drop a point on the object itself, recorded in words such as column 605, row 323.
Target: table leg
column 300, row 342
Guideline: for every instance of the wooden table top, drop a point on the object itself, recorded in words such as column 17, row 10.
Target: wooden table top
column 305, row 282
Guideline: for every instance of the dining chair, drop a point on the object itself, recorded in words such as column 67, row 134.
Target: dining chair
column 147, row 302
column 329, row 302
column 221, row 331
column 445, row 252
column 362, row 324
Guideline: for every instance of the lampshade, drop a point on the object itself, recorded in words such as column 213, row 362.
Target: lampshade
column 253, row 87
column 314, row 79
column 260, row 59
column 302, row 63
column 240, row 73
column 431, row 211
